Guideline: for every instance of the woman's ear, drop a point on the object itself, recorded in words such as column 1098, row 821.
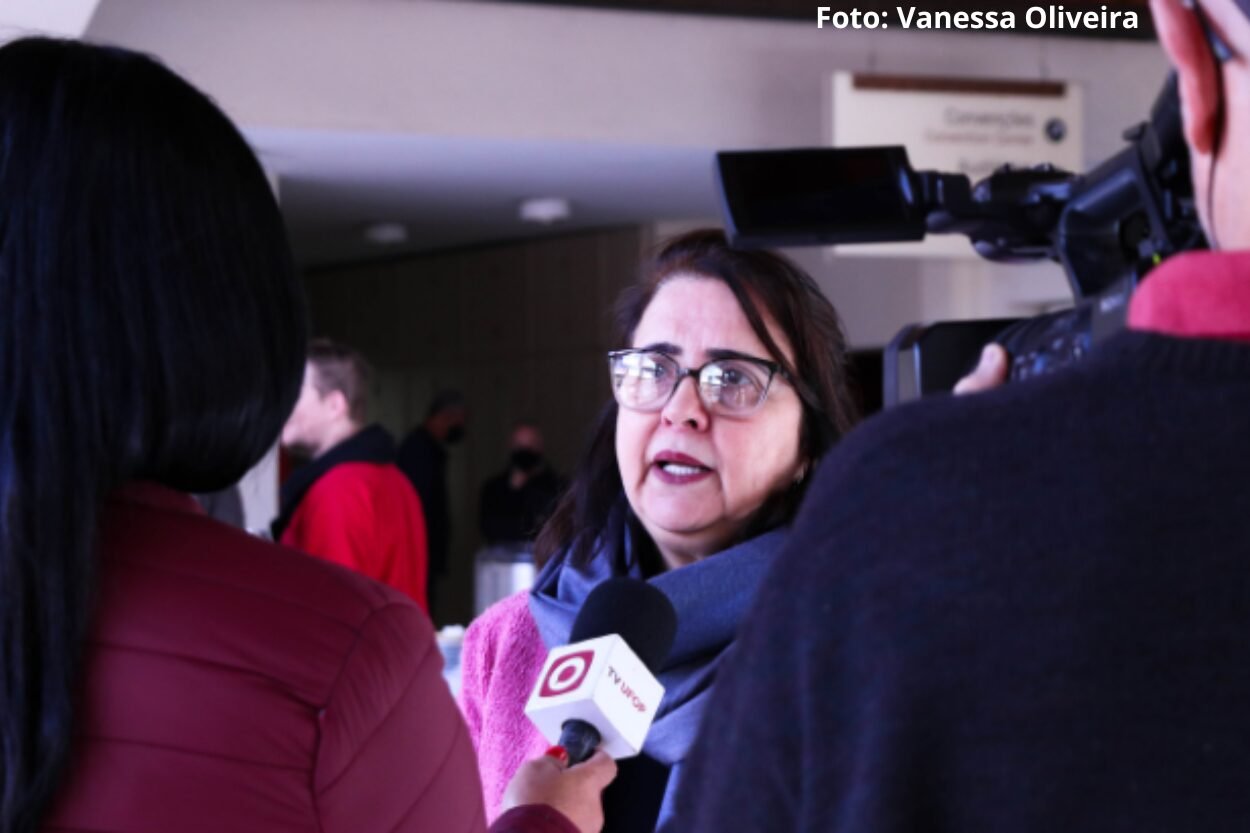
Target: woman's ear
column 1186, row 45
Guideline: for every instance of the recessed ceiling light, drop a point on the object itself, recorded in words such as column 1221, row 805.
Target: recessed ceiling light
column 386, row 233
column 545, row 210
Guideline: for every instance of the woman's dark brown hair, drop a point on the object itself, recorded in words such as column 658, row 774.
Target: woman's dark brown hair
column 592, row 514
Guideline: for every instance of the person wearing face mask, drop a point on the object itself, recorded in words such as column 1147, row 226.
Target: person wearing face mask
column 730, row 384
column 1028, row 609
column 423, row 459
column 516, row 502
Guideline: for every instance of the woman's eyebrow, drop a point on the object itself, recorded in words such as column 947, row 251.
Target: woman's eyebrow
column 718, row 353
column 713, row 354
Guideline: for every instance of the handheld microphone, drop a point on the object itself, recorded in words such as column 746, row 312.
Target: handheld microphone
column 600, row 689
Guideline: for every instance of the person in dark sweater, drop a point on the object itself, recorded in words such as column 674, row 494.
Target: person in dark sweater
column 1026, row 610
column 515, row 503
column 423, row 460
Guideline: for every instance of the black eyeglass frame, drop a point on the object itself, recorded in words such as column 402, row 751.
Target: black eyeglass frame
column 774, row 370
column 1220, row 49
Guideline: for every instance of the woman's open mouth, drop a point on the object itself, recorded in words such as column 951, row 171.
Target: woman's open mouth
column 677, row 469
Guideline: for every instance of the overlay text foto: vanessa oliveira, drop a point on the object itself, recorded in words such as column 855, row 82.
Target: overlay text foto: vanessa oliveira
column 1035, row 17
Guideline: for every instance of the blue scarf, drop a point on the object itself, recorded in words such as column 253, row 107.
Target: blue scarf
column 711, row 597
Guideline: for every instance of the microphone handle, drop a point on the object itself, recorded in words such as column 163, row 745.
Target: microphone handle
column 580, row 739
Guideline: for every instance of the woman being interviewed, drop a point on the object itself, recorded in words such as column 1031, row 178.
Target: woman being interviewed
column 690, row 486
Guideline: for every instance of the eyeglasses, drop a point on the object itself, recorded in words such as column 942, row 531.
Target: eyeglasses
column 645, row 380
column 1220, row 49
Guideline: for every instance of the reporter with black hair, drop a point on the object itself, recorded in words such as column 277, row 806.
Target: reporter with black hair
column 1028, row 609
column 159, row 670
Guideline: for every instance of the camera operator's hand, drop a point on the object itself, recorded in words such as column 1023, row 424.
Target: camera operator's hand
column 991, row 371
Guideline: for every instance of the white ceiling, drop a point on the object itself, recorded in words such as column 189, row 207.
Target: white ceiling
column 452, row 192
column 445, row 114
column 63, row 18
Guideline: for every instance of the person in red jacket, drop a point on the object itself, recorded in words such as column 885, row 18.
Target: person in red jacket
column 160, row 670
column 349, row 504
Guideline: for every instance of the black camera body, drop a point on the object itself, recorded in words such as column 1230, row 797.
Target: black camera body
column 1107, row 228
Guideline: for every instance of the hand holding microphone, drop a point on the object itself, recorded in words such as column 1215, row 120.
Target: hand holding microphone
column 574, row 792
column 600, row 690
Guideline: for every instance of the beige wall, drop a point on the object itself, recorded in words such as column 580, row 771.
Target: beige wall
column 524, row 71
column 520, row 328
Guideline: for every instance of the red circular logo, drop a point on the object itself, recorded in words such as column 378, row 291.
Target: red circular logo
column 566, row 674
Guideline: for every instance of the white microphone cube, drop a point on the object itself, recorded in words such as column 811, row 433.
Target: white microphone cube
column 602, row 682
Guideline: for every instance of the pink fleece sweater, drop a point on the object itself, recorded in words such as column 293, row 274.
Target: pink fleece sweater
column 499, row 664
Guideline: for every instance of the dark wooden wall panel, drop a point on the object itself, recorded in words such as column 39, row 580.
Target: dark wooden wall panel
column 521, row 328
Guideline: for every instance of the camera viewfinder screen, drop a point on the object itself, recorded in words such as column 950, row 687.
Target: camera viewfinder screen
column 821, row 196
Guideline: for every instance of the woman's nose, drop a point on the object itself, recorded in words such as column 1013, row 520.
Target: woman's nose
column 685, row 407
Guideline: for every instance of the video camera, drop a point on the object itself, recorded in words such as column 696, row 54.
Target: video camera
column 1107, row 228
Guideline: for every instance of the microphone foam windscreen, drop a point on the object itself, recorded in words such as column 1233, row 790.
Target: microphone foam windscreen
column 633, row 610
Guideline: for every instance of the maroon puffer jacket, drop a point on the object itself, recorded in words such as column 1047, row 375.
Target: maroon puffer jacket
column 233, row 685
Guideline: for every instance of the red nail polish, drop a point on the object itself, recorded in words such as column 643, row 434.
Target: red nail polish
column 559, row 753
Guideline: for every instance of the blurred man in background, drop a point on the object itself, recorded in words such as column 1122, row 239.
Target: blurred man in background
column 423, row 459
column 349, row 504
